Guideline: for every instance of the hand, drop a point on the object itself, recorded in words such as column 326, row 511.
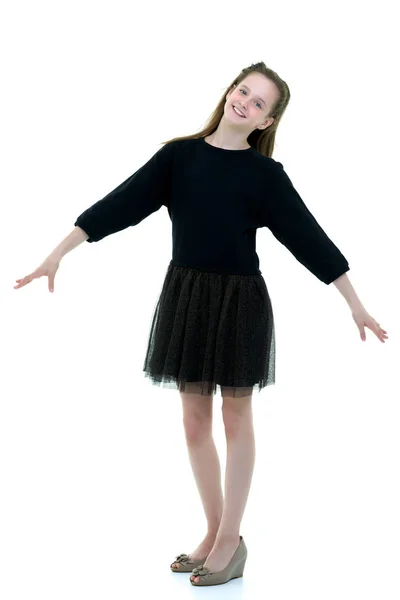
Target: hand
column 48, row 267
column 363, row 319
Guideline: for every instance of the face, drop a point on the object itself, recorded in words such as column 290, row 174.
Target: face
column 254, row 96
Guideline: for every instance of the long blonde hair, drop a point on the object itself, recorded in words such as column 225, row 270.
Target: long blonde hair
column 262, row 140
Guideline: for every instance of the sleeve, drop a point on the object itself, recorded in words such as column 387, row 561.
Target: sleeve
column 133, row 200
column 292, row 224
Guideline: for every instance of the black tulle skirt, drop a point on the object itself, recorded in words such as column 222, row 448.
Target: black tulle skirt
column 211, row 332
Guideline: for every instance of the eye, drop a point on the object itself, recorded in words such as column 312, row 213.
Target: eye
column 245, row 92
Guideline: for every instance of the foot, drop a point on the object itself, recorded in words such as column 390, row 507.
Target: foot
column 220, row 556
column 202, row 550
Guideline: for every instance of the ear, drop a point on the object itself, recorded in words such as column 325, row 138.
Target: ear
column 267, row 123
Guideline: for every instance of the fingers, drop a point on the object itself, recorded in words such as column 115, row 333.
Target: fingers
column 380, row 333
column 23, row 281
column 28, row 279
column 380, row 328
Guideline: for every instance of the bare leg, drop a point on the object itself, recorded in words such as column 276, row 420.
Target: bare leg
column 197, row 419
column 238, row 420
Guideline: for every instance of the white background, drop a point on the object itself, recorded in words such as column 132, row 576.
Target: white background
column 97, row 495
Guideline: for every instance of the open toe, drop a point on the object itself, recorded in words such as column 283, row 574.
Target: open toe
column 183, row 563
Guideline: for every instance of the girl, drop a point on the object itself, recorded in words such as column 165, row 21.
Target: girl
column 213, row 325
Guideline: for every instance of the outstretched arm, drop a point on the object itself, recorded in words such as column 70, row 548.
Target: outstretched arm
column 133, row 200
column 285, row 213
column 292, row 223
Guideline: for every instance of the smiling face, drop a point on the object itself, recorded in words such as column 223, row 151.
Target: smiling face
column 253, row 97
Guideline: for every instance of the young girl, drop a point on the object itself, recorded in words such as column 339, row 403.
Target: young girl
column 213, row 326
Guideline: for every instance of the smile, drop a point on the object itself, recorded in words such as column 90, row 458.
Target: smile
column 236, row 112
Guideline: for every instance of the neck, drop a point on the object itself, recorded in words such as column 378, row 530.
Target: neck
column 228, row 138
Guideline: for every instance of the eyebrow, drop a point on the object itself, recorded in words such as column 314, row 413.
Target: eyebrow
column 259, row 97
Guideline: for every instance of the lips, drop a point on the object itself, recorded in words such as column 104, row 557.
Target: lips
column 238, row 113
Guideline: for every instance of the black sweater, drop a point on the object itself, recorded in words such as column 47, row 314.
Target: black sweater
column 217, row 199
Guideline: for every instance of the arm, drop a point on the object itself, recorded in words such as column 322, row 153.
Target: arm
column 133, row 200
column 290, row 221
column 344, row 286
column 293, row 225
column 76, row 237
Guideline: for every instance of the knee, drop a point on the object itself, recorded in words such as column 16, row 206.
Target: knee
column 197, row 416
column 232, row 420
column 197, row 427
column 235, row 413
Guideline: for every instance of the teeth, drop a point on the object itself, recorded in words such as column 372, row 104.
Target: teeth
column 236, row 110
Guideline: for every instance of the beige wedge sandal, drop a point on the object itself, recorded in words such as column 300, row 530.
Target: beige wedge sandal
column 234, row 569
column 186, row 564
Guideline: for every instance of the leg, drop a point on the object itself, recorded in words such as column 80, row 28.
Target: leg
column 197, row 420
column 238, row 421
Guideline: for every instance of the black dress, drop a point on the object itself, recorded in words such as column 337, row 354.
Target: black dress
column 213, row 326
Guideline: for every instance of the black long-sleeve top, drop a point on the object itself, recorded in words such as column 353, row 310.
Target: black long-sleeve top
column 216, row 200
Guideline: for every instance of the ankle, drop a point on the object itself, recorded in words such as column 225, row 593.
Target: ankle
column 227, row 538
column 212, row 532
